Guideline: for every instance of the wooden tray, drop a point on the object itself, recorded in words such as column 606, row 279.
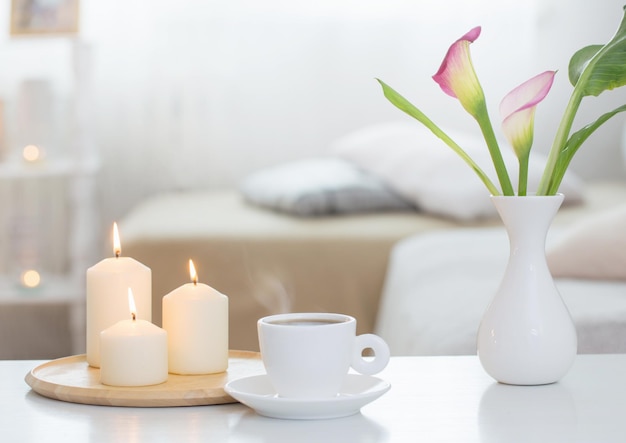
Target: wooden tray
column 71, row 379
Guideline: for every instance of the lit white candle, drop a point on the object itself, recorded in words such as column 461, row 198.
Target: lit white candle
column 195, row 317
column 133, row 352
column 107, row 283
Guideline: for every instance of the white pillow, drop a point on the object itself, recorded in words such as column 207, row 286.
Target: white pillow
column 593, row 248
column 320, row 186
column 424, row 170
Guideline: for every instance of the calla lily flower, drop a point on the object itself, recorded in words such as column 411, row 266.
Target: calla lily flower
column 517, row 110
column 456, row 75
column 457, row 78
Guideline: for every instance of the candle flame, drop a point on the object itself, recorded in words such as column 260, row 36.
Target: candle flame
column 131, row 304
column 192, row 273
column 117, row 246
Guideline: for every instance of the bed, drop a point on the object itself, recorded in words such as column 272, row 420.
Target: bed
column 267, row 262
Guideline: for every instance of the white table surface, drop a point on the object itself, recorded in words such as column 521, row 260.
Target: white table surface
column 432, row 399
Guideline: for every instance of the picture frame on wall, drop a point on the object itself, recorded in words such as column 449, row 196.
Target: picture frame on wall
column 44, row 17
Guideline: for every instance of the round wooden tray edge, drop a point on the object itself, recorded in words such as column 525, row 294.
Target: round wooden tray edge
column 204, row 390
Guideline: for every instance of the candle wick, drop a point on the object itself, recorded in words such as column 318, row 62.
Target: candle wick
column 118, row 253
column 133, row 315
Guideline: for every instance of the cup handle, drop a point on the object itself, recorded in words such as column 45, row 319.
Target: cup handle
column 381, row 354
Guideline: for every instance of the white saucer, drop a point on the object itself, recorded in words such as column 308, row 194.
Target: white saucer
column 257, row 393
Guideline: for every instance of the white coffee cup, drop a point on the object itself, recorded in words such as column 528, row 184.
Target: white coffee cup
column 308, row 355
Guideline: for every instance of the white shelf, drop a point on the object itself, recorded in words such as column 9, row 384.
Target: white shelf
column 13, row 170
column 48, row 215
column 52, row 288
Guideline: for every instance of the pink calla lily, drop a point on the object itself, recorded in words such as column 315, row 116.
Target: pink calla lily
column 456, row 75
column 457, row 78
column 517, row 110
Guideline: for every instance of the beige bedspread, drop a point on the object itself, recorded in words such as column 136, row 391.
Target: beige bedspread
column 268, row 262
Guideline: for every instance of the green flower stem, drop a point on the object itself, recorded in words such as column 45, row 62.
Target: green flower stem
column 522, row 186
column 451, row 143
column 551, row 178
column 482, row 117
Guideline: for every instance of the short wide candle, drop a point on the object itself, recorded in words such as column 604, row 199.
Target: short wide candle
column 133, row 352
column 195, row 317
column 107, row 283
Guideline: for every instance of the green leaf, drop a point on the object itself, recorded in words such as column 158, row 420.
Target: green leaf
column 576, row 141
column 592, row 70
column 579, row 61
column 600, row 68
column 404, row 105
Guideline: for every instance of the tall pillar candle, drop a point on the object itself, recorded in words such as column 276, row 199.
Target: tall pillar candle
column 195, row 317
column 107, row 285
column 133, row 352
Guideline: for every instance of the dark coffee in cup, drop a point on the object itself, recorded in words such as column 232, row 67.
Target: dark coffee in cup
column 308, row 322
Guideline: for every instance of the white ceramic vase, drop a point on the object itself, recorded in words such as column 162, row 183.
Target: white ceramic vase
column 527, row 336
